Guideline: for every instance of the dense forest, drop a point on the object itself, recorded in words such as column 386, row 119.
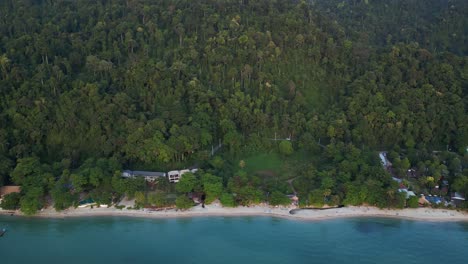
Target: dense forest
column 91, row 88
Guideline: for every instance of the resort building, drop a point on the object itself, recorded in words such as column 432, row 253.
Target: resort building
column 150, row 176
column 4, row 190
column 407, row 192
column 182, row 172
column 174, row 176
column 457, row 199
column 423, row 201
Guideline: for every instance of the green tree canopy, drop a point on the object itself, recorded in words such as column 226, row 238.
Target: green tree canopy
column 182, row 202
column 278, row 198
column 187, row 183
column 10, row 201
column 285, row 148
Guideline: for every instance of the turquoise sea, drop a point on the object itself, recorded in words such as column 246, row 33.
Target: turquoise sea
column 231, row 240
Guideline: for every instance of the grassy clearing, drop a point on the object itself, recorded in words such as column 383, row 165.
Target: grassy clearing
column 263, row 162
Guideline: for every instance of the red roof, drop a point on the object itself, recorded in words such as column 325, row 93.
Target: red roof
column 4, row 190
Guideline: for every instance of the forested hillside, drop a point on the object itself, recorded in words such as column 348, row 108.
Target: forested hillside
column 89, row 88
column 435, row 25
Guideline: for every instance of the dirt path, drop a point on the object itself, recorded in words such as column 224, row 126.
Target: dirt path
column 290, row 181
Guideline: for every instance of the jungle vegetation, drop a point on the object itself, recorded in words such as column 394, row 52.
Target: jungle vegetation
column 89, row 88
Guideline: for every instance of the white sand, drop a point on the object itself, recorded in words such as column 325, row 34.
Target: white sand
column 427, row 214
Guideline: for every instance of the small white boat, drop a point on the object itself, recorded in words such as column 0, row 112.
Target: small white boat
column 3, row 231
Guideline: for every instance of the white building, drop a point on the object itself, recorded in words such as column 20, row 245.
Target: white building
column 407, row 192
column 150, row 176
column 174, row 176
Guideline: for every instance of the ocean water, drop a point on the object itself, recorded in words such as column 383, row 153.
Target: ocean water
column 231, row 240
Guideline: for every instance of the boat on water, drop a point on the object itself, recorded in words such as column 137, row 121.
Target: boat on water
column 2, row 232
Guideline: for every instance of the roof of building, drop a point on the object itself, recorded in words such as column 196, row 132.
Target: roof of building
column 383, row 159
column 146, row 173
column 457, row 196
column 408, row 193
column 434, row 199
column 423, row 200
column 4, row 190
column 396, row 179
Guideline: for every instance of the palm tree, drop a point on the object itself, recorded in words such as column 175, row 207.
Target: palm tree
column 4, row 64
column 326, row 193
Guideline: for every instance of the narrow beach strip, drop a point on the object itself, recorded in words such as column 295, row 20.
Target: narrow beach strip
column 420, row 214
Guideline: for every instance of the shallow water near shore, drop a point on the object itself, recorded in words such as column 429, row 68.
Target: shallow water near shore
column 231, row 240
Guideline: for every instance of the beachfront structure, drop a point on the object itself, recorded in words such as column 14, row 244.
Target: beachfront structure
column 407, row 192
column 423, row 201
column 457, row 196
column 175, row 175
column 457, row 199
column 435, row 199
column 86, row 203
column 4, row 190
column 150, row 176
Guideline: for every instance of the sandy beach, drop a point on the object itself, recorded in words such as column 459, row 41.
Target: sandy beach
column 421, row 214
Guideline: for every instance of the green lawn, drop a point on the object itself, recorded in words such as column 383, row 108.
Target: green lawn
column 263, row 162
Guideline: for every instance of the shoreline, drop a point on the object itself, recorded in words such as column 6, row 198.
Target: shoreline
column 215, row 210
